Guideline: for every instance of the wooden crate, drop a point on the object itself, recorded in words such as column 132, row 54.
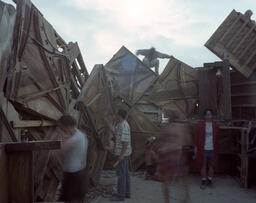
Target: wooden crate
column 235, row 39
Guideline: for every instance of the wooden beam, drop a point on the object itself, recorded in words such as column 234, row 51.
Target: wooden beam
column 32, row 123
column 7, row 125
column 243, row 83
column 232, row 128
column 32, row 146
column 243, row 95
column 243, row 105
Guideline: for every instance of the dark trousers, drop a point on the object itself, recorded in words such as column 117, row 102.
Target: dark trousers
column 123, row 175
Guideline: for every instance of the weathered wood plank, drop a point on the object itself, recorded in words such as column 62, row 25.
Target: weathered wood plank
column 20, row 167
column 32, row 146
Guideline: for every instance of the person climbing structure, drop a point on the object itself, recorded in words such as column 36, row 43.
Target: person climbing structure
column 151, row 57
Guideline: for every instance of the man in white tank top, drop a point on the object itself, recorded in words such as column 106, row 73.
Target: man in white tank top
column 74, row 152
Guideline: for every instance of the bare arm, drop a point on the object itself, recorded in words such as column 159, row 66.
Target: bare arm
column 162, row 55
column 124, row 148
column 143, row 52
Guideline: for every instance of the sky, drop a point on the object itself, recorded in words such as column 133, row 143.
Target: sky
column 175, row 27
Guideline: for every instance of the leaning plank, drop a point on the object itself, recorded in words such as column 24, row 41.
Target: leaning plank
column 32, row 146
column 32, row 123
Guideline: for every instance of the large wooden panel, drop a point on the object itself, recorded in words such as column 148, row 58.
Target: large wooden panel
column 215, row 89
column 3, row 175
column 176, row 88
column 207, row 90
column 235, row 38
column 128, row 76
column 20, row 172
column 243, row 96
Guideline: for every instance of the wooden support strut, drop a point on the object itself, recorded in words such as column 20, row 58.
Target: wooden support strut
column 7, row 125
column 32, row 123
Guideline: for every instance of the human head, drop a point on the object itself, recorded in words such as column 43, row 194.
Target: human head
column 152, row 49
column 67, row 123
column 121, row 114
column 208, row 113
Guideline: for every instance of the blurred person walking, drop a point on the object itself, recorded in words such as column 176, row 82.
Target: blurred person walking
column 74, row 151
column 172, row 165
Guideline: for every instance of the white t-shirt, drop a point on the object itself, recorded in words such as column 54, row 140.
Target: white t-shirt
column 208, row 145
column 76, row 155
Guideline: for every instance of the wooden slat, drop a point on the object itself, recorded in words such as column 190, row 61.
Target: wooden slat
column 243, row 83
column 250, row 57
column 237, row 33
column 243, row 95
column 247, row 48
column 243, row 105
column 32, row 123
column 242, row 41
column 230, row 28
column 32, row 146
column 225, row 97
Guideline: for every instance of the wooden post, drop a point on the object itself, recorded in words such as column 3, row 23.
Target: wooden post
column 21, row 168
column 21, row 184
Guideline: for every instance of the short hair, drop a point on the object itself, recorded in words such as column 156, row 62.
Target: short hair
column 122, row 113
column 205, row 111
column 67, row 120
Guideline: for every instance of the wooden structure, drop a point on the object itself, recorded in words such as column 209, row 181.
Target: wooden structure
column 176, row 88
column 214, row 89
column 233, row 147
column 243, row 96
column 21, row 170
column 236, row 39
column 235, row 42
column 41, row 78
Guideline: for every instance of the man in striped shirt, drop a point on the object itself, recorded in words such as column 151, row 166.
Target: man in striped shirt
column 123, row 150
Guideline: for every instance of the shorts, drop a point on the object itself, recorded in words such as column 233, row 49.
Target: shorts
column 74, row 186
column 208, row 158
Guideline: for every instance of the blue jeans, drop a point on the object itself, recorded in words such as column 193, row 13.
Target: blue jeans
column 123, row 175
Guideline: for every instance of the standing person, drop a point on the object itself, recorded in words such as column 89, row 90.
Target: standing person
column 74, row 151
column 172, row 162
column 123, row 150
column 150, row 57
column 206, row 147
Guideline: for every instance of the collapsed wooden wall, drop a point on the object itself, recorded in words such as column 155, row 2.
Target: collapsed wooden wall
column 41, row 78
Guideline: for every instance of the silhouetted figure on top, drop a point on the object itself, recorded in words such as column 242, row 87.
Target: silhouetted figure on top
column 151, row 56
